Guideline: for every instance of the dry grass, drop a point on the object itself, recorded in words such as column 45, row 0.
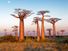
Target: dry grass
column 19, row 46
column 48, row 45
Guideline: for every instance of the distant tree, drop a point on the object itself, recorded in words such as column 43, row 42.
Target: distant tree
column 53, row 21
column 15, row 30
column 35, row 20
column 42, row 12
column 33, row 32
column 49, row 30
column 58, row 33
column 21, row 14
column 62, row 31
column 5, row 31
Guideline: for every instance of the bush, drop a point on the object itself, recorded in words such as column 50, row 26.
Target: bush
column 61, row 40
column 7, row 38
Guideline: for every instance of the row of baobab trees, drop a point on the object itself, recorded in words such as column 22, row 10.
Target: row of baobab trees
column 21, row 14
column 15, row 31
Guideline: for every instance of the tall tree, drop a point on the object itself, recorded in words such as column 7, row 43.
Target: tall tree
column 21, row 14
column 15, row 30
column 53, row 21
column 35, row 20
column 42, row 12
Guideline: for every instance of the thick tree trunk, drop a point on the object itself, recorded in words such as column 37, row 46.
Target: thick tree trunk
column 42, row 29
column 54, row 30
column 21, row 30
column 38, row 32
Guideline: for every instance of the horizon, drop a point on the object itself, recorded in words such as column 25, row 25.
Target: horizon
column 57, row 8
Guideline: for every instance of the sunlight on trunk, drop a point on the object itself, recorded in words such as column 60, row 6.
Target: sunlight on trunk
column 42, row 28
column 21, row 30
column 54, row 30
column 38, row 32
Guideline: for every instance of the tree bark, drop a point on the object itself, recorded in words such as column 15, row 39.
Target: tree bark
column 49, row 33
column 54, row 30
column 38, row 32
column 21, row 30
column 42, row 28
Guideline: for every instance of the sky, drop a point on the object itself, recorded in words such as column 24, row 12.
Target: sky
column 57, row 8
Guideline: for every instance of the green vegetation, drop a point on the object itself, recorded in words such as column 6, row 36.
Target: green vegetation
column 58, row 39
column 62, row 40
column 7, row 38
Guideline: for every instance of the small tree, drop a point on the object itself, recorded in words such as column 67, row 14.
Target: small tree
column 62, row 31
column 15, row 30
column 49, row 30
column 53, row 21
column 5, row 31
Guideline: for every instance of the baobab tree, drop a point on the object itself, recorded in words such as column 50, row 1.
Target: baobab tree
column 49, row 30
column 15, row 30
column 62, row 31
column 5, row 31
column 21, row 14
column 53, row 21
column 34, row 32
column 58, row 34
column 42, row 12
column 35, row 20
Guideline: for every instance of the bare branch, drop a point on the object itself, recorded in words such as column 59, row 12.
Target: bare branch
column 30, row 14
column 42, row 12
column 17, row 10
column 14, row 16
column 47, row 15
column 49, row 29
column 52, row 20
column 24, row 13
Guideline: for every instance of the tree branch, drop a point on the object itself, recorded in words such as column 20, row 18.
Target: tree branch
column 14, row 16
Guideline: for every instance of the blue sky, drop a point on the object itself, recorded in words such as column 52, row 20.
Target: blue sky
column 57, row 8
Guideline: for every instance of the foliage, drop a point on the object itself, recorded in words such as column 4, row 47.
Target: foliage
column 7, row 38
column 61, row 40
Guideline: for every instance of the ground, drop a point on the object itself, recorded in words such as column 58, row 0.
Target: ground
column 30, row 45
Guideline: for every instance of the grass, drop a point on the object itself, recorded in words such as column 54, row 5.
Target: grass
column 22, row 46
column 32, row 45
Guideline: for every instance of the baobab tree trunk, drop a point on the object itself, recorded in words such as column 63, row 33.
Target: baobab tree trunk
column 49, row 33
column 62, row 33
column 38, row 32
column 42, row 28
column 21, row 38
column 54, row 30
